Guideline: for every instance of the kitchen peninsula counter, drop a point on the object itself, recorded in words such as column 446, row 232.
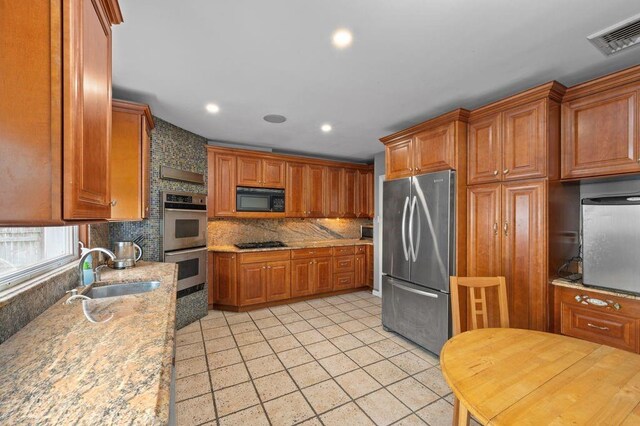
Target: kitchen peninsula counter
column 294, row 245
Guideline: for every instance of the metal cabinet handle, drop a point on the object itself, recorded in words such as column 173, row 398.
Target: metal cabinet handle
column 495, row 173
column 114, row 202
column 505, row 171
column 597, row 326
column 495, row 228
column 506, row 229
column 310, row 263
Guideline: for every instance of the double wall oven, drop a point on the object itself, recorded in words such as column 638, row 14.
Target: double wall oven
column 184, row 238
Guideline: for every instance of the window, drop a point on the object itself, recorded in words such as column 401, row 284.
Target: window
column 28, row 252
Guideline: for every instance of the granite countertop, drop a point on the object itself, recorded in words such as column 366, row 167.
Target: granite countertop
column 295, row 245
column 579, row 286
column 60, row 368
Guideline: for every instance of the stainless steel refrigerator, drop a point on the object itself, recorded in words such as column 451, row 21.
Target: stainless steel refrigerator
column 418, row 231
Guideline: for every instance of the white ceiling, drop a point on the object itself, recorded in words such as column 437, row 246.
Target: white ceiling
column 410, row 60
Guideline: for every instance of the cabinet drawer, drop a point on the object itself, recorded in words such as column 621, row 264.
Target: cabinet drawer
column 264, row 256
column 343, row 264
column 361, row 249
column 310, row 252
column 600, row 327
column 343, row 250
column 343, row 280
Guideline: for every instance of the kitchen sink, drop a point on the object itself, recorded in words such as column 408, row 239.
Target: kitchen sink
column 125, row 289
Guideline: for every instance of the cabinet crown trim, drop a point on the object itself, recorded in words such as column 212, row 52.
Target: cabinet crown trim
column 610, row 81
column 459, row 114
column 112, row 9
column 552, row 90
column 135, row 107
column 288, row 158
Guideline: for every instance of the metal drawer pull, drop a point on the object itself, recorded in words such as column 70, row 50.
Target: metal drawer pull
column 597, row 326
column 495, row 228
column 413, row 290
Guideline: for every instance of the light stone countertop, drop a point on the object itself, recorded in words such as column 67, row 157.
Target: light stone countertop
column 579, row 286
column 294, row 245
column 62, row 369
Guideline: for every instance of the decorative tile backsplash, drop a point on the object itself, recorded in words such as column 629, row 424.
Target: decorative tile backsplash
column 232, row 231
column 174, row 147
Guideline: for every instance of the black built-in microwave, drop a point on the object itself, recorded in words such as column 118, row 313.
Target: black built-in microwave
column 259, row 199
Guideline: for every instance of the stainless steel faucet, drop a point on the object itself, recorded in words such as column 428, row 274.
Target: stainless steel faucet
column 96, row 271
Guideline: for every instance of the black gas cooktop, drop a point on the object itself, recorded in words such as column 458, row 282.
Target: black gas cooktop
column 264, row 244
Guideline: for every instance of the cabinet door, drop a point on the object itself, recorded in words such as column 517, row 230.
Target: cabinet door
column 323, row 275
column 273, row 173
column 87, row 112
column 524, row 142
column 301, row 277
column 332, row 190
column 126, row 163
column 361, row 270
column 523, row 236
column 399, row 159
column 295, row 191
column 600, row 134
column 278, row 280
column 434, row 149
column 371, row 191
column 363, row 194
column 223, row 279
column 370, row 266
column 314, row 184
column 249, row 171
column 252, row 283
column 146, row 168
column 483, row 257
column 348, row 192
column 223, row 177
column 484, row 150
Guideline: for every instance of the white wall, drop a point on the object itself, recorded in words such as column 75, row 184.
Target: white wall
column 378, row 173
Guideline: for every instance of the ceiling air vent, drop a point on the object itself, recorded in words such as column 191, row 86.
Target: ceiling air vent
column 617, row 37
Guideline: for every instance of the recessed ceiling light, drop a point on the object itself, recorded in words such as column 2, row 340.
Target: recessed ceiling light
column 342, row 38
column 326, row 128
column 213, row 108
column 275, row 118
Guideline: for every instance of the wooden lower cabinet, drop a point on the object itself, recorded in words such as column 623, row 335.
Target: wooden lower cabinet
column 507, row 237
column 256, row 278
column 222, row 279
column 616, row 323
column 369, row 253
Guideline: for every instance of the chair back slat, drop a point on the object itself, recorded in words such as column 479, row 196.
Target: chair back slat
column 478, row 303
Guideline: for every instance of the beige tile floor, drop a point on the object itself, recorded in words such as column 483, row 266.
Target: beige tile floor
column 325, row 361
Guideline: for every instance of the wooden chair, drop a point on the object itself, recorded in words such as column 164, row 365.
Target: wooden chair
column 477, row 307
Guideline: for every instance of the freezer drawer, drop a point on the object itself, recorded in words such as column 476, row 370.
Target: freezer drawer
column 417, row 313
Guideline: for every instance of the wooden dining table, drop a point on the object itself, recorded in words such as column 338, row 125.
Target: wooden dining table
column 509, row 376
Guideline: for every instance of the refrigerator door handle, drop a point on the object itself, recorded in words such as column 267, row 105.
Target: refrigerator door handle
column 414, row 248
column 404, row 230
column 413, row 290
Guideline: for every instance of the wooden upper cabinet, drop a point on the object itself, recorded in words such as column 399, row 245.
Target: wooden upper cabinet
column 434, row 145
column 55, row 110
column 315, row 178
column 523, row 236
column 130, row 156
column 600, row 133
column 524, row 145
column 261, row 172
column 332, row 190
column 434, row 149
column 399, row 158
column 484, row 160
column 294, row 199
column 249, row 171
column 349, row 193
column 222, row 184
column 86, row 111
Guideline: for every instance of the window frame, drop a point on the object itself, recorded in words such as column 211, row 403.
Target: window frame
column 10, row 282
